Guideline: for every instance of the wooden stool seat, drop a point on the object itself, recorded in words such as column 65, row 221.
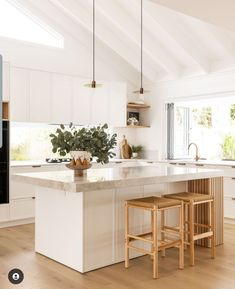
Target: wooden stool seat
column 150, row 202
column 196, row 231
column 171, row 237
column 190, row 197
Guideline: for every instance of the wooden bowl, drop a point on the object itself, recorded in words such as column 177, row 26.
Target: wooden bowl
column 78, row 170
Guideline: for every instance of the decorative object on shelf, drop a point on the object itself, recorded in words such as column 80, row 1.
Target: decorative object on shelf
column 93, row 84
column 126, row 151
column 136, row 150
column 84, row 144
column 132, row 121
column 133, row 114
column 141, row 91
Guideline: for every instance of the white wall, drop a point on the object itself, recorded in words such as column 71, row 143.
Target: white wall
column 219, row 85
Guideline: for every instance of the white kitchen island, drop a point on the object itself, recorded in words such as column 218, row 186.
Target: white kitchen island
column 80, row 220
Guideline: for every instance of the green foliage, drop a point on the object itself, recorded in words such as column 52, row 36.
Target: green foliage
column 232, row 112
column 94, row 140
column 136, row 149
column 228, row 147
column 203, row 116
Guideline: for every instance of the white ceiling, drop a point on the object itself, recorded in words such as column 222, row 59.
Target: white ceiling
column 175, row 45
column 218, row 12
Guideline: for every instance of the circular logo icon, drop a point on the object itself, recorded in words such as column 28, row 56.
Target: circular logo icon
column 16, row 276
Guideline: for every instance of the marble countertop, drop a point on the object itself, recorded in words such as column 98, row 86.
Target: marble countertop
column 201, row 162
column 176, row 161
column 44, row 163
column 110, row 178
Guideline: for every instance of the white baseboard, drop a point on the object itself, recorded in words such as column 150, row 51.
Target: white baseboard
column 17, row 223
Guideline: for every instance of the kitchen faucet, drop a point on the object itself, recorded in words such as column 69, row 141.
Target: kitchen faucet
column 197, row 156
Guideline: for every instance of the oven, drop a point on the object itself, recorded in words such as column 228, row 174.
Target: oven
column 4, row 164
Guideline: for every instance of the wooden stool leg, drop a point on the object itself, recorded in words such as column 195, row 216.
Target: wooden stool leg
column 212, row 205
column 152, row 226
column 181, row 235
column 155, row 244
column 186, row 226
column 163, row 252
column 191, row 233
column 126, row 237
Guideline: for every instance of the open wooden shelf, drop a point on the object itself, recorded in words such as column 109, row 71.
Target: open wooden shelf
column 137, row 106
column 137, row 126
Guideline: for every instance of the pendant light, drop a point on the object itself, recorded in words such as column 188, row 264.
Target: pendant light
column 141, row 90
column 93, row 84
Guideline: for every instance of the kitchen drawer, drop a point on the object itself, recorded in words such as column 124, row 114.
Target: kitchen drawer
column 4, row 213
column 19, row 190
column 229, row 187
column 229, row 207
column 22, row 209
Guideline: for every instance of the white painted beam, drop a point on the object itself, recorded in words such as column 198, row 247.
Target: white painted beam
column 171, row 24
column 127, row 21
column 107, row 58
column 81, row 13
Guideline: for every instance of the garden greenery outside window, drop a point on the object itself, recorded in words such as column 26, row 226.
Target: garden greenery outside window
column 210, row 123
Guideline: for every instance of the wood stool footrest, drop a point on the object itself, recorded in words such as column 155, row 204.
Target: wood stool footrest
column 139, row 249
column 202, row 236
column 140, row 237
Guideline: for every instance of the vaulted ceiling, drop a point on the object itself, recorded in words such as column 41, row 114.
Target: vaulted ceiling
column 175, row 45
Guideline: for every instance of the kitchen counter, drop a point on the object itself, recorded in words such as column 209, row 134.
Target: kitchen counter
column 80, row 220
column 201, row 162
column 106, row 178
column 44, row 163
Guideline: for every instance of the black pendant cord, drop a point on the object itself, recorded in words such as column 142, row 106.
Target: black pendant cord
column 93, row 40
column 141, row 48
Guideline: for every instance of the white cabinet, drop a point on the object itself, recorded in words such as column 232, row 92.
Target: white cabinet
column 22, row 195
column 229, row 197
column 22, row 209
column 117, row 104
column 105, row 104
column 100, row 104
column 19, row 106
column 61, row 106
column 6, row 81
column 81, row 102
column 4, row 213
column 40, row 97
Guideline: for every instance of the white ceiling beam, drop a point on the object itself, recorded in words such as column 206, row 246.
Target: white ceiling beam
column 82, row 14
column 180, row 34
column 130, row 27
column 65, row 25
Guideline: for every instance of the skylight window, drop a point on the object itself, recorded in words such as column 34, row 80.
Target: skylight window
column 17, row 23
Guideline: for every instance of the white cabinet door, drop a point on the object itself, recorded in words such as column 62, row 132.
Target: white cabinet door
column 6, row 81
column 19, row 108
column 100, row 104
column 81, row 102
column 61, row 99
column 40, row 97
column 4, row 213
column 117, row 104
column 22, row 209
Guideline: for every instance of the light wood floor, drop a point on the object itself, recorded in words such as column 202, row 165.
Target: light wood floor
column 17, row 251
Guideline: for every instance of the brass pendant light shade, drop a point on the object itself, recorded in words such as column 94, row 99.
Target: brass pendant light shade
column 93, row 83
column 141, row 91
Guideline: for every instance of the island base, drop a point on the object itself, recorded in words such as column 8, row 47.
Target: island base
column 85, row 230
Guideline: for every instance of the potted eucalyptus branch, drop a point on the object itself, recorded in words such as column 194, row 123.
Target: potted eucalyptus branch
column 84, row 144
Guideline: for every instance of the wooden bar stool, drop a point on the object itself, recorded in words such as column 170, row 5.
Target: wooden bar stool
column 176, row 238
column 206, row 230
